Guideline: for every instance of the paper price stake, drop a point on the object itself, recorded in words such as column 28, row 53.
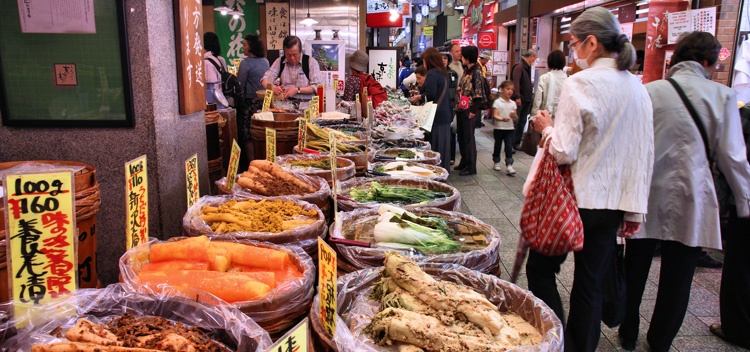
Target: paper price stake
column 267, row 100
column 336, row 83
column 295, row 340
column 234, row 162
column 192, row 184
column 334, row 181
column 302, row 138
column 315, row 106
column 358, row 108
column 271, row 145
column 327, row 286
column 41, row 238
column 136, row 202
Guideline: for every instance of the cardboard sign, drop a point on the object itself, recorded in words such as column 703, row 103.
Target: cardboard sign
column 271, row 144
column 40, row 217
column 192, row 183
column 327, row 286
column 294, row 340
column 136, row 202
column 234, row 162
column 267, row 100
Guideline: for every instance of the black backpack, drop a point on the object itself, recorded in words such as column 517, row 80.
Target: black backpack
column 487, row 102
column 230, row 86
column 305, row 65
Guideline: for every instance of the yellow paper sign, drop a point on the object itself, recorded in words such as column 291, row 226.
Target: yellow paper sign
column 136, row 202
column 428, row 31
column 336, row 83
column 316, row 105
column 295, row 340
column 358, row 108
column 327, row 286
column 267, row 100
column 334, row 181
column 41, row 237
column 302, row 137
column 271, row 144
column 192, row 184
column 234, row 162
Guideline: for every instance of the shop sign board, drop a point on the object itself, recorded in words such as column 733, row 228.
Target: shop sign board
column 657, row 37
column 327, row 288
column 136, row 202
column 41, row 237
column 271, row 145
column 192, row 182
column 472, row 22
column 189, row 31
column 488, row 17
column 487, row 40
column 234, row 162
column 702, row 20
column 277, row 24
column 231, row 31
column 378, row 13
column 384, row 65
column 295, row 340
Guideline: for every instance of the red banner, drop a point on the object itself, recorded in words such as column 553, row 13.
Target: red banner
column 472, row 22
column 656, row 37
column 488, row 17
column 487, row 40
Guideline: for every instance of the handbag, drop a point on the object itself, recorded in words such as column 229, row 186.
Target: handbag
column 530, row 141
column 550, row 222
column 614, row 289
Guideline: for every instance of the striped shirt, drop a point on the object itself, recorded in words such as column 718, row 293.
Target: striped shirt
column 294, row 76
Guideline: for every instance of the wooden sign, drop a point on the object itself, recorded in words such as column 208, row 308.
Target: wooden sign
column 271, row 144
column 189, row 42
column 41, row 237
column 192, row 183
column 267, row 100
column 327, row 286
column 136, row 202
column 234, row 162
column 295, row 340
column 277, row 24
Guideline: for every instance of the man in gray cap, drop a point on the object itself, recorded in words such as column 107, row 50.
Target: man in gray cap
column 524, row 96
column 483, row 60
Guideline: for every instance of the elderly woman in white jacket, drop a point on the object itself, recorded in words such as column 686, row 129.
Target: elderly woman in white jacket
column 604, row 130
column 683, row 208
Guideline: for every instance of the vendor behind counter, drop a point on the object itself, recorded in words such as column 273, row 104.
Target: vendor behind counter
column 294, row 74
column 358, row 79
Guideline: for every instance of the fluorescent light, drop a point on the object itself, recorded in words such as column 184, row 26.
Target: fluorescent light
column 223, row 9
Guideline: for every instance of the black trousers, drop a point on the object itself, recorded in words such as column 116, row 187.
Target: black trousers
column 600, row 229
column 503, row 137
column 734, row 297
column 466, row 142
column 540, row 274
column 453, row 146
column 676, row 276
column 439, row 143
column 523, row 114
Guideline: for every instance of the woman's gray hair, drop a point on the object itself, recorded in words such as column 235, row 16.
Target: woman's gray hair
column 600, row 23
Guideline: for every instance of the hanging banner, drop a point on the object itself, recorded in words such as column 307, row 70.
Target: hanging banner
column 277, row 24
column 231, row 31
column 136, row 202
column 189, row 46
column 488, row 17
column 656, row 37
column 473, row 18
column 383, row 65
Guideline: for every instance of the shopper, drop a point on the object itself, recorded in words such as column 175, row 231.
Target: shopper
column 503, row 114
column 213, row 64
column 609, row 144
column 457, row 64
column 471, row 90
column 417, row 96
column 452, row 85
column 547, row 94
column 294, row 74
column 252, row 68
column 436, row 88
column 682, row 205
column 521, row 77
column 358, row 79
column 403, row 72
column 484, row 59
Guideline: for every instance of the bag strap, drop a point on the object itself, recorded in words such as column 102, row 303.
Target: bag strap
column 442, row 95
column 218, row 67
column 305, row 65
column 694, row 115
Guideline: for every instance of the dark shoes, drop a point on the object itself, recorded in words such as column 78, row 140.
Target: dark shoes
column 705, row 261
column 459, row 167
column 466, row 172
column 716, row 330
column 626, row 345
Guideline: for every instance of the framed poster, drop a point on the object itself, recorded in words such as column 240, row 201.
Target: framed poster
column 384, row 65
column 66, row 79
column 331, row 57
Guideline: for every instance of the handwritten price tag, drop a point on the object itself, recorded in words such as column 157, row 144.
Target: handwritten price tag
column 336, row 83
column 327, row 286
column 333, row 150
column 295, row 340
column 358, row 108
column 302, row 138
column 234, row 162
column 136, row 202
column 315, row 103
column 271, row 144
column 267, row 100
column 192, row 184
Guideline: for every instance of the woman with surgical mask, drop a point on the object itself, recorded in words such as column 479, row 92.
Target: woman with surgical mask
column 604, row 130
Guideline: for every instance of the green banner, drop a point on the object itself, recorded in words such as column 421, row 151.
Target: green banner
column 231, row 31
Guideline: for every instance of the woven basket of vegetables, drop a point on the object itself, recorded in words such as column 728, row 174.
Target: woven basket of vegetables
column 412, row 193
column 405, row 154
column 279, row 220
column 317, row 165
column 410, row 169
column 396, row 307
column 427, row 235
column 272, row 284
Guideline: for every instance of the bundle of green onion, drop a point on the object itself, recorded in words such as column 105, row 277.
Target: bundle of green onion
column 397, row 228
column 399, row 195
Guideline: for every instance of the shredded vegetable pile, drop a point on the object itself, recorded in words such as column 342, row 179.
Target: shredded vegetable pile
column 400, row 229
column 400, row 195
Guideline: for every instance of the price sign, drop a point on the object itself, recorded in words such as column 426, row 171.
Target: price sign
column 302, row 138
column 267, row 100
column 327, row 286
column 358, row 108
column 336, row 83
column 333, row 149
column 41, row 237
column 315, row 103
column 136, row 202
column 234, row 162
column 295, row 340
column 271, row 144
column 191, row 180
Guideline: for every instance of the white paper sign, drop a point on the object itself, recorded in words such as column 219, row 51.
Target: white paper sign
column 499, row 56
column 277, row 25
column 377, row 6
column 627, row 29
column 425, row 115
column 57, row 16
column 384, row 66
column 703, row 20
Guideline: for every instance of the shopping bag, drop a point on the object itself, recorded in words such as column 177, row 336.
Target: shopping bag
column 530, row 141
column 613, row 289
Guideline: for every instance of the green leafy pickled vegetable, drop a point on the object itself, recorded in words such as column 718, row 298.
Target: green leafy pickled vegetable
column 400, row 195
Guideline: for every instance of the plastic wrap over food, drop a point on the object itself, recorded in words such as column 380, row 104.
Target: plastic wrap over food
column 344, row 167
column 219, row 320
column 439, row 174
column 358, row 225
column 305, row 236
column 354, row 129
column 451, row 203
column 355, row 309
column 399, row 154
column 402, row 143
column 319, row 197
column 274, row 312
column 359, row 158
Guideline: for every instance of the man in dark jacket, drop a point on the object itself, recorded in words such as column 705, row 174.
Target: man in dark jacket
column 524, row 95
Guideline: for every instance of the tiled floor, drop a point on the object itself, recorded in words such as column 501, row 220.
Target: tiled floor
column 497, row 200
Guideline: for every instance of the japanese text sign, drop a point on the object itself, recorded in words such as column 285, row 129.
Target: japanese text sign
column 383, row 65
column 271, row 144
column 302, row 132
column 192, row 184
column 327, row 286
column 234, row 162
column 136, row 202
column 277, row 24
column 231, row 29
column 678, row 23
column 267, row 100
column 41, row 236
column 332, row 147
column 293, row 341
column 315, row 105
column 189, row 23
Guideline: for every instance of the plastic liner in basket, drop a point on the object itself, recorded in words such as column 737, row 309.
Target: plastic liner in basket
column 355, row 310
column 276, row 312
column 359, row 158
column 451, row 203
column 428, row 156
column 319, row 197
column 344, row 167
column 303, row 236
column 221, row 321
column 402, row 143
column 361, row 223
column 440, row 174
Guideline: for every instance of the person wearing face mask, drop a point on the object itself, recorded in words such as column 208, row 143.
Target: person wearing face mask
column 604, row 130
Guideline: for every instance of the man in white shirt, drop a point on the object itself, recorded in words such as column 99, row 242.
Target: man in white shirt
column 294, row 74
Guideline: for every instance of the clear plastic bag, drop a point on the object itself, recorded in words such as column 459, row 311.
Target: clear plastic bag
column 359, row 158
column 355, row 309
column 402, row 143
column 321, row 197
column 441, row 174
column 277, row 311
column 303, row 236
column 344, row 167
column 221, row 321
column 451, row 203
column 429, row 157
column 351, row 258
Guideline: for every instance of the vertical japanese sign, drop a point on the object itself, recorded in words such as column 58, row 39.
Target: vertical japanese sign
column 336, row 83
column 315, row 104
column 231, row 31
column 189, row 40
column 357, row 108
column 293, row 341
column 136, row 202
column 191, row 180
column 271, row 144
column 267, row 100
column 657, row 37
column 41, row 237
column 277, row 24
column 302, row 133
column 327, row 286
column 333, row 148
column 383, row 65
column 234, row 162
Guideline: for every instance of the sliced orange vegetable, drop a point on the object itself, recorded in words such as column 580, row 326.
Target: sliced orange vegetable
column 175, row 265
column 266, row 277
column 255, row 257
column 231, row 287
column 194, row 248
column 281, row 276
